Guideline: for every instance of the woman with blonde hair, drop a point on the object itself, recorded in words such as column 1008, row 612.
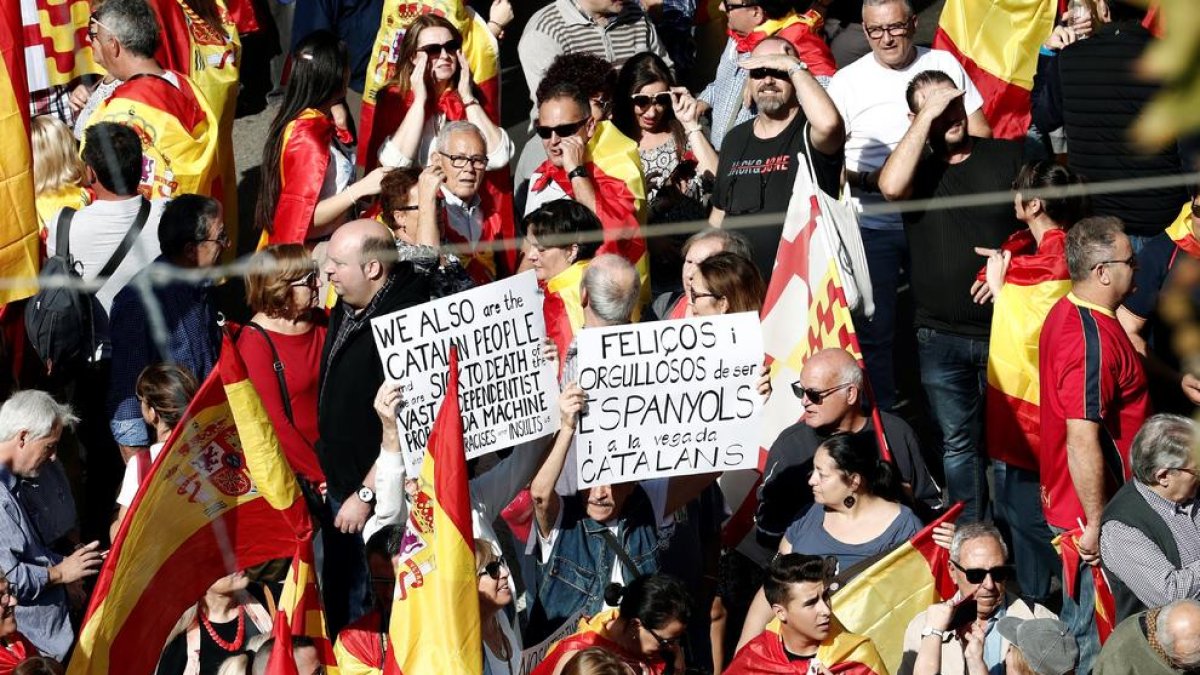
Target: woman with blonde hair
column 58, row 171
column 597, row 661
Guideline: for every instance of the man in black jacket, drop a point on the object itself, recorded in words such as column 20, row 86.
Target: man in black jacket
column 362, row 269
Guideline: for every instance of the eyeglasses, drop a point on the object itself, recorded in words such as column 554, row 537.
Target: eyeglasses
column 892, row 29
column 563, row 130
column 664, row 643
column 460, row 161
column 309, row 280
column 222, row 240
column 600, row 102
column 745, row 5
column 1193, row 472
column 816, row 395
column 764, row 73
column 93, row 33
column 493, row 568
column 976, row 575
column 661, row 99
column 435, row 50
column 1131, row 261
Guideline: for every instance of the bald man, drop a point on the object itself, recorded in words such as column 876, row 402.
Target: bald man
column 829, row 399
column 361, row 266
column 1174, row 649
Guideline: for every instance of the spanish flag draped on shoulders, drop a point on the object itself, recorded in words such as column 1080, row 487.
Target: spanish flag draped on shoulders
column 179, row 132
column 842, row 653
column 801, row 31
column 615, row 168
column 1037, row 277
column 303, row 163
column 591, row 633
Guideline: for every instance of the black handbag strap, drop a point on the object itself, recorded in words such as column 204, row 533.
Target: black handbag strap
column 62, row 238
column 277, row 366
column 127, row 243
column 610, row 540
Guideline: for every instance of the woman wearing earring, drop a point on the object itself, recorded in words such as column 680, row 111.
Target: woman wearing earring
column 856, row 515
column 501, row 640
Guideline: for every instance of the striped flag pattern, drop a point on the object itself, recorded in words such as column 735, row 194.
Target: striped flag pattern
column 18, row 217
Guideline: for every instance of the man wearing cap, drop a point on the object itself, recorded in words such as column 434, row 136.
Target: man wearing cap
column 1044, row 646
column 938, row 639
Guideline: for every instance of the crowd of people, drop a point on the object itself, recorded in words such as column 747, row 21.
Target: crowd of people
column 1019, row 359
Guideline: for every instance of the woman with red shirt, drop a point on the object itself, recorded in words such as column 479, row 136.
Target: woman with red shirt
column 281, row 289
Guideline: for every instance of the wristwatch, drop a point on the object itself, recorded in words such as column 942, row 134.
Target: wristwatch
column 578, row 172
column 800, row 65
column 942, row 635
column 366, row 494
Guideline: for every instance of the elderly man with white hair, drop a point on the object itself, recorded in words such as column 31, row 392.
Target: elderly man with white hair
column 1150, row 532
column 1160, row 641
column 31, row 423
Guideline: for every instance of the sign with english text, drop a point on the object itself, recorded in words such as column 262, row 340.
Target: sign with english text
column 670, row 398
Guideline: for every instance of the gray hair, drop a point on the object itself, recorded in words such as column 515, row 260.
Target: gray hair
column 732, row 241
column 965, row 533
column 36, row 412
column 1090, row 242
column 132, row 23
column 908, row 7
column 1166, row 636
column 456, row 127
column 1164, row 442
column 613, row 286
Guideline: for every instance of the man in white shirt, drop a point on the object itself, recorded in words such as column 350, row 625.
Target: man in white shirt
column 869, row 94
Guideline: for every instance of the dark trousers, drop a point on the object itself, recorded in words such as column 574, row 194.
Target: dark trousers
column 1019, row 505
column 887, row 256
column 345, row 580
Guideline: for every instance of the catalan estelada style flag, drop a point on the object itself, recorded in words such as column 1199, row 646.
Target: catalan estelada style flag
column 1105, row 608
column 479, row 46
column 219, row 498
column 881, row 601
column 1037, row 277
column 434, row 625
column 18, row 217
column 997, row 42
column 57, row 50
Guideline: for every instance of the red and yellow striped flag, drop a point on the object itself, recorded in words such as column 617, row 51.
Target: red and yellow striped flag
column 55, row 38
column 219, row 498
column 434, row 625
column 997, row 42
column 1037, row 277
column 479, row 46
column 18, row 215
column 881, row 601
column 1105, row 607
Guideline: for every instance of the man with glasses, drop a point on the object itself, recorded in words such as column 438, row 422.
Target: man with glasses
column 830, row 391
column 192, row 236
column 1093, row 401
column 1150, row 535
column 869, row 94
column 757, row 170
column 936, row 638
column 14, row 648
column 750, row 22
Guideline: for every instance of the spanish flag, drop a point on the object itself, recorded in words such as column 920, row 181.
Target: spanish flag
column 219, row 498
column 18, row 215
column 479, row 46
column 1037, row 277
column 1105, row 608
column 881, row 601
column 1180, row 232
column 842, row 653
column 997, row 42
column 562, row 307
column 304, row 157
column 434, row 625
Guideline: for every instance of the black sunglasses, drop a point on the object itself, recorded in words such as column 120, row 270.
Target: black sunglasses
column 976, row 575
column 1196, row 209
column 563, row 130
column 435, row 50
column 816, row 395
column 662, row 98
column 493, row 568
column 763, row 73
column 664, row 643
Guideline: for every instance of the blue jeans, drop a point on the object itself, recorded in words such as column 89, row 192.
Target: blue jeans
column 1019, row 505
column 887, row 255
column 954, row 375
column 345, row 581
column 1080, row 615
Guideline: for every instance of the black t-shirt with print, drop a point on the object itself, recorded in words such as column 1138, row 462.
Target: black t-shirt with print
column 756, row 175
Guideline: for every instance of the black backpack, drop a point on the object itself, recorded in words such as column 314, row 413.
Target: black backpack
column 60, row 318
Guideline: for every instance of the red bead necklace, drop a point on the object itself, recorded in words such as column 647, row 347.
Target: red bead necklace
column 238, row 639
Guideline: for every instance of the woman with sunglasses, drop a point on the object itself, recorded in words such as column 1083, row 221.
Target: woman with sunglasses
column 856, row 514
column 307, row 167
column 645, row 630
column 432, row 86
column 725, row 283
column 281, row 346
column 501, row 640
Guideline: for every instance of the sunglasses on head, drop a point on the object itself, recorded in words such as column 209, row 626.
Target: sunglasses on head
column 645, row 100
column 436, row 50
column 563, row 130
column 764, row 73
column 976, row 575
column 493, row 568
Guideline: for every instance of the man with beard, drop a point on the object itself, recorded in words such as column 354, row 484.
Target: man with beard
column 952, row 327
column 758, row 163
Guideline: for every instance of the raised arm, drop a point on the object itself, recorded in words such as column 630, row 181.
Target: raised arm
column 826, row 130
column 390, row 506
column 545, row 502
column 406, row 140
column 896, row 178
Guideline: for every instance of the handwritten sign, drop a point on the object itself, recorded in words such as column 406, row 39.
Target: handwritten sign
column 533, row 656
column 508, row 393
column 669, row 399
